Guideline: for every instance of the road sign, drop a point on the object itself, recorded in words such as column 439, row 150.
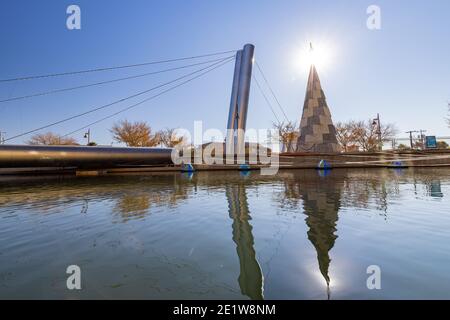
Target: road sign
column 430, row 142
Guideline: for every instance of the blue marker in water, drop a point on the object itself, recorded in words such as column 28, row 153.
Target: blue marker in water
column 187, row 168
column 244, row 167
column 323, row 165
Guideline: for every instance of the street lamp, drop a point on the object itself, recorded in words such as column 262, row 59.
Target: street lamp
column 87, row 136
column 376, row 122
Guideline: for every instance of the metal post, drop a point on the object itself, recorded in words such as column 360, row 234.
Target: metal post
column 376, row 122
column 422, row 138
column 88, row 136
column 411, row 137
column 240, row 95
column 244, row 84
column 244, row 95
column 379, row 132
column 233, row 113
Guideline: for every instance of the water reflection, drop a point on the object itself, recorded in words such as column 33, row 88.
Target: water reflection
column 321, row 195
column 434, row 189
column 160, row 243
column 133, row 195
column 131, row 206
column 250, row 277
column 321, row 203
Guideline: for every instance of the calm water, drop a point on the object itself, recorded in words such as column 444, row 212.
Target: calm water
column 228, row 235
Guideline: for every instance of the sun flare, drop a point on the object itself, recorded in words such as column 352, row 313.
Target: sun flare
column 319, row 54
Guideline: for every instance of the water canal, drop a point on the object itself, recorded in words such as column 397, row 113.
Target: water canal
column 301, row 234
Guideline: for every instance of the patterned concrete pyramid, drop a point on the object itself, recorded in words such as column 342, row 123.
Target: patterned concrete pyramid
column 317, row 132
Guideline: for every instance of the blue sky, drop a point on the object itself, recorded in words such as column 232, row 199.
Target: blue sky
column 401, row 71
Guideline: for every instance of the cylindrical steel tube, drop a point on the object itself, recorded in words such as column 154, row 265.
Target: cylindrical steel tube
column 232, row 115
column 16, row 156
column 244, row 84
column 244, row 95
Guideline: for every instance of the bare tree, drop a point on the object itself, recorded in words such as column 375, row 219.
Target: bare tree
column 364, row 134
column 169, row 138
column 388, row 132
column 136, row 134
column 287, row 133
column 345, row 134
column 51, row 139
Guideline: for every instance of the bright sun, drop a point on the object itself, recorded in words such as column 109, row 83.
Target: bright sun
column 319, row 54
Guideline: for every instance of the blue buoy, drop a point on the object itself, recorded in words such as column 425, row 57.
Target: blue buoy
column 244, row 167
column 244, row 173
column 323, row 173
column 188, row 175
column 397, row 164
column 187, row 168
column 323, row 165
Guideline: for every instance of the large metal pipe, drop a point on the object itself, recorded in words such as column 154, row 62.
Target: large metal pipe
column 232, row 115
column 244, row 84
column 23, row 156
column 237, row 116
column 244, row 95
column 233, row 112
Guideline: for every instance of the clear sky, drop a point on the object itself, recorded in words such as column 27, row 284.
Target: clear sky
column 401, row 71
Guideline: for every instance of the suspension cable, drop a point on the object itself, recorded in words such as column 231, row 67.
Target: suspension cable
column 265, row 98
column 145, row 100
column 117, row 101
column 270, row 88
column 30, row 77
column 106, row 82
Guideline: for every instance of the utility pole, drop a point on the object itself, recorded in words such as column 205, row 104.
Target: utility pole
column 377, row 122
column 2, row 137
column 411, row 137
column 422, row 138
column 87, row 136
column 394, row 144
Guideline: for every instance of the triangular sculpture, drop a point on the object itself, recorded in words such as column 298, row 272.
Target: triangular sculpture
column 317, row 132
